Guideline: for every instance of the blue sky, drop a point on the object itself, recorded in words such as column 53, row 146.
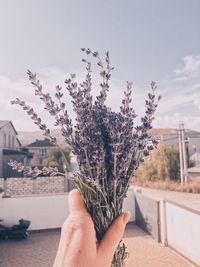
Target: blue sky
column 148, row 40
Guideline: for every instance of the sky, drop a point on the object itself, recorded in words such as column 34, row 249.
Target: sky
column 148, row 40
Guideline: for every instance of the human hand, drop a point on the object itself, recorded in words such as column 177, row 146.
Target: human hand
column 78, row 246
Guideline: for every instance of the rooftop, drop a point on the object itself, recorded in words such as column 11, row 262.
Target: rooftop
column 5, row 122
column 39, row 250
column 41, row 143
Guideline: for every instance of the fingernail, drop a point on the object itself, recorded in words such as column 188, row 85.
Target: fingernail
column 126, row 217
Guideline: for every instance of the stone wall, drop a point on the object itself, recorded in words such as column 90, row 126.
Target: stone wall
column 29, row 186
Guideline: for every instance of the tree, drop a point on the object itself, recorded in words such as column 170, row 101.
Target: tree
column 59, row 159
column 163, row 164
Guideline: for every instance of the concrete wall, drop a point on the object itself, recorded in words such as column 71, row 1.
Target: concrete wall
column 44, row 212
column 178, row 225
column 147, row 215
column 183, row 230
column 129, row 204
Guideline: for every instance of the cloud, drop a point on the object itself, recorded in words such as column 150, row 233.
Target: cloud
column 190, row 69
column 50, row 77
column 181, row 96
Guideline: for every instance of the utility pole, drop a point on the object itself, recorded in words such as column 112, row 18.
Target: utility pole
column 180, row 154
column 183, row 157
column 184, row 153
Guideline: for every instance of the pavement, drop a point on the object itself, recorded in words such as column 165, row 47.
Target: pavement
column 39, row 250
column 189, row 200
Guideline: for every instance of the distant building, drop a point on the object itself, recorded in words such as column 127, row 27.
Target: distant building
column 194, row 173
column 10, row 148
column 171, row 137
column 195, row 158
column 40, row 150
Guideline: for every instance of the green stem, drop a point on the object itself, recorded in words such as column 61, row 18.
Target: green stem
column 64, row 157
column 88, row 163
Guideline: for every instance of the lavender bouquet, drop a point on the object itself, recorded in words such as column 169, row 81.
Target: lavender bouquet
column 108, row 146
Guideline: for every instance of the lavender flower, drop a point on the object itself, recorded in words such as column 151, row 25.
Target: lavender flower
column 28, row 171
column 108, row 145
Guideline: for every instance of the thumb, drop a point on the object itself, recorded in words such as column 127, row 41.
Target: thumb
column 113, row 236
column 76, row 202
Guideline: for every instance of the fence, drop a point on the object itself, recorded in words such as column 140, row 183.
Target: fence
column 39, row 185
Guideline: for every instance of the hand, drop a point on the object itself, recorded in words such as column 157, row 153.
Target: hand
column 78, row 246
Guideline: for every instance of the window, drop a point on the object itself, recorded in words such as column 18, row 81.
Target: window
column 13, row 141
column 9, row 141
column 43, row 151
column 4, row 140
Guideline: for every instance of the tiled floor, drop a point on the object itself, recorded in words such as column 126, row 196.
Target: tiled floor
column 40, row 248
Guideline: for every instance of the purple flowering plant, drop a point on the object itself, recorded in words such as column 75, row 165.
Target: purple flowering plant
column 108, row 145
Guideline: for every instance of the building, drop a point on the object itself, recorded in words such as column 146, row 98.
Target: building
column 195, row 158
column 194, row 174
column 171, row 137
column 40, row 150
column 10, row 148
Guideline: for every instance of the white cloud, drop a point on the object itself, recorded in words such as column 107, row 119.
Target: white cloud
column 190, row 70
column 180, row 96
column 50, row 77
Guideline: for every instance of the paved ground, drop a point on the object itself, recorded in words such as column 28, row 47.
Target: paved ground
column 40, row 248
column 188, row 199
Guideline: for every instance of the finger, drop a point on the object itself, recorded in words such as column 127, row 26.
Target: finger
column 76, row 202
column 113, row 235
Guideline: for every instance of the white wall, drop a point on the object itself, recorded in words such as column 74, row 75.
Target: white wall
column 129, row 204
column 183, row 231
column 44, row 212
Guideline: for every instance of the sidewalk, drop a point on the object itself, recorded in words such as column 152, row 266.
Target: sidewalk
column 40, row 248
column 145, row 252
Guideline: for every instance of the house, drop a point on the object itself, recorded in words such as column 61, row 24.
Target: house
column 10, row 148
column 40, row 150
